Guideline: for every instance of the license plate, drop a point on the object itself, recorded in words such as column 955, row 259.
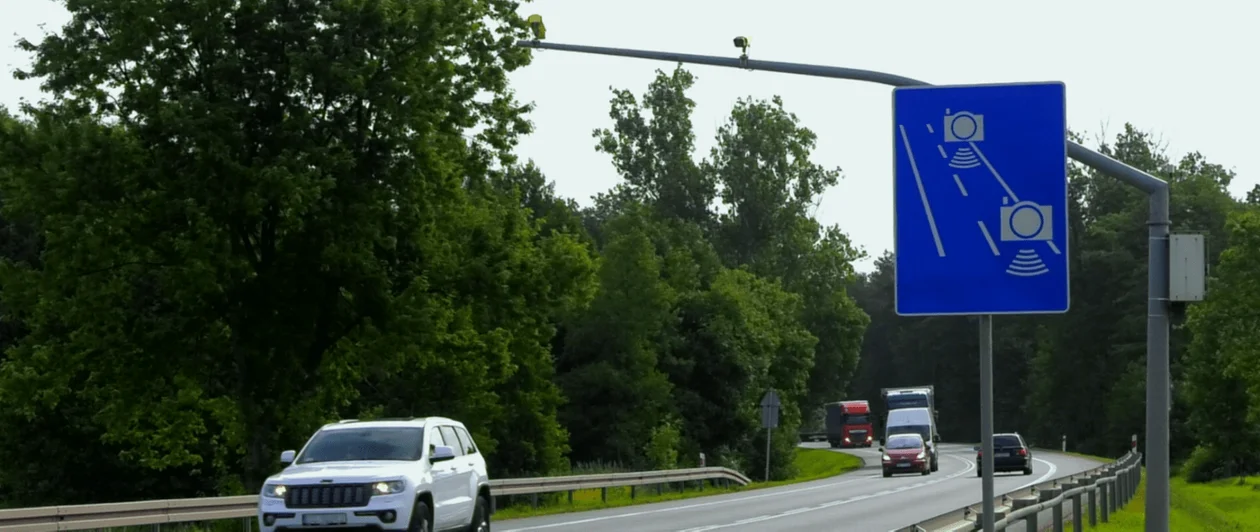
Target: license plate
column 323, row 519
column 904, row 464
column 1003, row 455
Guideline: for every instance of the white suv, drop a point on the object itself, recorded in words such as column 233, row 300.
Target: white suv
column 419, row 475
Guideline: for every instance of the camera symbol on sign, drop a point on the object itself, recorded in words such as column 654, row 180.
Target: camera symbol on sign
column 1027, row 221
column 964, row 126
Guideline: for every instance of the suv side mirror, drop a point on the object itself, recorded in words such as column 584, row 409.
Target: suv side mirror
column 881, row 449
column 288, row 456
column 976, row 448
column 442, row 453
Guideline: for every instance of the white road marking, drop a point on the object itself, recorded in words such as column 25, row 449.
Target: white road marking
column 992, row 245
column 942, row 150
column 1053, row 247
column 961, row 188
column 690, row 506
column 995, row 173
column 841, row 502
column 929, row 126
column 1045, row 477
column 927, row 208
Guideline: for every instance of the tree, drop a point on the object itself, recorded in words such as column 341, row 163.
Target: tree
column 609, row 370
column 1221, row 381
column 251, row 210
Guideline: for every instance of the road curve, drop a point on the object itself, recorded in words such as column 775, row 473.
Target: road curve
column 861, row 500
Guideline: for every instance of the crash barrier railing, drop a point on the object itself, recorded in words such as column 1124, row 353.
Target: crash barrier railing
column 245, row 507
column 812, row 436
column 1093, row 496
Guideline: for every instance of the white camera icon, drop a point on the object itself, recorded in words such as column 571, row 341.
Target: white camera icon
column 1027, row 221
column 964, row 126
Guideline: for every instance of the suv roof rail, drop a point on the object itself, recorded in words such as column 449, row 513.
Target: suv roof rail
column 347, row 421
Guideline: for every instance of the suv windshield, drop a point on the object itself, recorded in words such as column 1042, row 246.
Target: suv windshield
column 1006, row 441
column 340, row 445
column 904, row 442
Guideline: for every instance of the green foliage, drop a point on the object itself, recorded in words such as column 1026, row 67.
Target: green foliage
column 662, row 447
column 233, row 222
column 758, row 285
column 1221, row 381
column 259, row 216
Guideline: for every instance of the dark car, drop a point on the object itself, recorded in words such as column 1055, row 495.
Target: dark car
column 905, row 453
column 1010, row 453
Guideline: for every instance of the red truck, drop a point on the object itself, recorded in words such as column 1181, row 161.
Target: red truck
column 849, row 424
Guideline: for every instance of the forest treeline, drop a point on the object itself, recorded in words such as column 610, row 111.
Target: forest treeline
column 231, row 222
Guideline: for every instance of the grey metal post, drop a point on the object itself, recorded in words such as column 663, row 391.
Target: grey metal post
column 1056, row 514
column 768, row 454
column 1078, row 516
column 1104, row 501
column 1158, row 402
column 986, row 422
column 1093, row 505
column 1115, row 495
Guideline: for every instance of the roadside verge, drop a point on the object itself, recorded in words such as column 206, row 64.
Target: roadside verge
column 812, row 464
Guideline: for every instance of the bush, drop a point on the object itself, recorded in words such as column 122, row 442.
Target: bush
column 1206, row 463
column 662, row 448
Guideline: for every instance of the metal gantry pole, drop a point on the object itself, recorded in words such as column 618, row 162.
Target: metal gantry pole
column 1157, row 372
column 1158, row 391
column 986, row 422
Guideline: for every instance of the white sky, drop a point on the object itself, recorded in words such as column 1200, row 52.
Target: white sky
column 1181, row 70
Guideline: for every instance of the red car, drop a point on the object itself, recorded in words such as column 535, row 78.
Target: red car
column 905, row 453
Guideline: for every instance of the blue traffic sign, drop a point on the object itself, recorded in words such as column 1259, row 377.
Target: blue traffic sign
column 981, row 199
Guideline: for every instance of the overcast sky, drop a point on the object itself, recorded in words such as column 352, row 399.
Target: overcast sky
column 1181, row 70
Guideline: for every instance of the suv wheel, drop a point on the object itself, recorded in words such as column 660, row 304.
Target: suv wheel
column 480, row 521
column 420, row 518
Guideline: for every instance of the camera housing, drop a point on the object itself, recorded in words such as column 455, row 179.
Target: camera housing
column 964, row 126
column 1027, row 221
column 741, row 42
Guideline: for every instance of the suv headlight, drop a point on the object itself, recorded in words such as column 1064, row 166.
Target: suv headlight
column 919, row 456
column 275, row 491
column 386, row 488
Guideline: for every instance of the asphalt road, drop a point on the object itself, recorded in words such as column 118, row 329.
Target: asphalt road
column 861, row 501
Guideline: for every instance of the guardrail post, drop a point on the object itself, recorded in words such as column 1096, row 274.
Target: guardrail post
column 1056, row 512
column 1024, row 502
column 1078, row 518
column 632, row 492
column 1123, row 494
column 1092, row 496
column 1115, row 494
column 603, row 494
column 1104, row 499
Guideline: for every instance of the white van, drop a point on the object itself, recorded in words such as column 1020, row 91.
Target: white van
column 917, row 421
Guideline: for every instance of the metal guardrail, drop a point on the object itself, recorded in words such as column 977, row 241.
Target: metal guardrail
column 1093, row 496
column 813, row 436
column 94, row 516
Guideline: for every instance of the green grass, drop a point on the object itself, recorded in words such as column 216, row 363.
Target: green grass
column 812, row 464
column 1207, row 507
